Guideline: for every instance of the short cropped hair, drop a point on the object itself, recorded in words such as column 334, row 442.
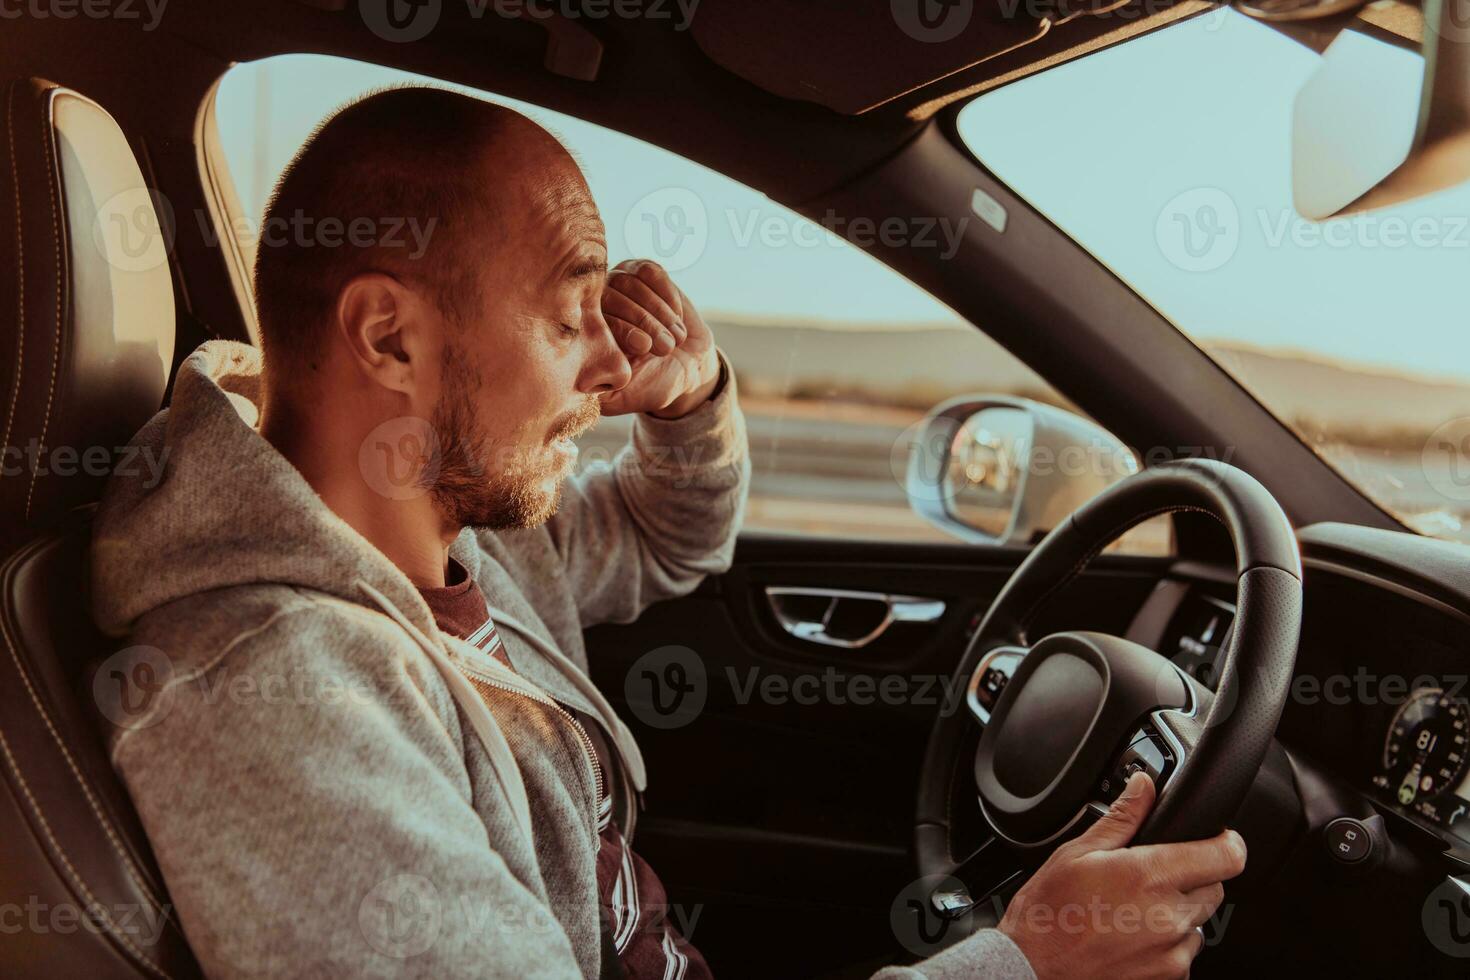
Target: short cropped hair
column 347, row 204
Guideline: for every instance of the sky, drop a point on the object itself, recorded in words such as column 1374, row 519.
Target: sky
column 744, row 254
column 1189, row 130
column 1168, row 157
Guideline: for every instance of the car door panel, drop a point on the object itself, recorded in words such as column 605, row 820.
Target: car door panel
column 789, row 794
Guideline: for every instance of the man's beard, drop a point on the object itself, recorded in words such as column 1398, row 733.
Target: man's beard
column 478, row 485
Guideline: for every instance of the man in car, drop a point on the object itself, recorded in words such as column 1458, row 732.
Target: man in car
column 357, row 721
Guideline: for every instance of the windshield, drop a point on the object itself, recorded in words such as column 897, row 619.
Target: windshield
column 1169, row 159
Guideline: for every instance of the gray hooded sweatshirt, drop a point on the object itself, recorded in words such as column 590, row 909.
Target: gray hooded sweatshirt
column 325, row 791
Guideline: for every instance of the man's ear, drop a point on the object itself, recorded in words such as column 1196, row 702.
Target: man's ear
column 381, row 321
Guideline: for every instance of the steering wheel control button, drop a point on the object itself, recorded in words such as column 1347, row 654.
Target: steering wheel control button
column 1072, row 701
column 1145, row 755
column 990, row 679
column 1347, row 840
column 992, row 683
column 1147, row 752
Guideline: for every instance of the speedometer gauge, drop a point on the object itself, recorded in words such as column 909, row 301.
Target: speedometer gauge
column 1425, row 751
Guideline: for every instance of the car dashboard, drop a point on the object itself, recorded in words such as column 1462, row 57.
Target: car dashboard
column 1381, row 694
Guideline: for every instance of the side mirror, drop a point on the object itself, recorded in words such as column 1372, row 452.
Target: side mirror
column 1002, row 470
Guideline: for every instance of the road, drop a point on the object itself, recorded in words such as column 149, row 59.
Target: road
column 820, row 468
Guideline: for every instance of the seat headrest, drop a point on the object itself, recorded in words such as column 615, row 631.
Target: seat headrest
column 86, row 302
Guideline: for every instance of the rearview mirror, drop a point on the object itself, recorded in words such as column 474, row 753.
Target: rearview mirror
column 1002, row 470
column 1378, row 125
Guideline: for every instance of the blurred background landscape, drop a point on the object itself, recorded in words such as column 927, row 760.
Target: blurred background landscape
column 837, row 356
column 830, row 407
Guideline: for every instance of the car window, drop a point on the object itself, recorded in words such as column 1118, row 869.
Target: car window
column 1169, row 158
column 837, row 357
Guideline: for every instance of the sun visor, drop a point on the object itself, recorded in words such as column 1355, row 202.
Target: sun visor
column 911, row 56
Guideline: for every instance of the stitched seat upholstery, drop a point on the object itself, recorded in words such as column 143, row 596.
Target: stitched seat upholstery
column 86, row 331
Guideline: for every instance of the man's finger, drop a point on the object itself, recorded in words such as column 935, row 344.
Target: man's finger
column 657, row 279
column 634, row 342
column 1200, row 904
column 1117, row 827
column 1194, row 863
column 662, row 315
column 1183, row 955
column 665, row 307
column 614, row 404
column 618, row 306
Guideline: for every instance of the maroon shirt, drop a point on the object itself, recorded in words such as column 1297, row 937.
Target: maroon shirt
column 634, row 903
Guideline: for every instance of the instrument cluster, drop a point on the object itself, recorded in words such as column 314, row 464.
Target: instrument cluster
column 1381, row 693
column 1426, row 754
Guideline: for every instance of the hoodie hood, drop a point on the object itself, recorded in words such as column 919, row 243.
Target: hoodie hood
column 225, row 509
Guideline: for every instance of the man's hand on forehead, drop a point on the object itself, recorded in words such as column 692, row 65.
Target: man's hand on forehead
column 668, row 345
column 644, row 308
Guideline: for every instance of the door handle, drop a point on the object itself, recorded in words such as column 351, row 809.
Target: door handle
column 844, row 618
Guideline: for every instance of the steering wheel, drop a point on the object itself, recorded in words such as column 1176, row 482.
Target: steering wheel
column 1067, row 718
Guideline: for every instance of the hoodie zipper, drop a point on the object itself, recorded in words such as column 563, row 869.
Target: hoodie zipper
column 480, row 680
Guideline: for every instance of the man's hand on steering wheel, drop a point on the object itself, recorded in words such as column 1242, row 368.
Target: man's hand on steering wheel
column 1049, row 746
column 1099, row 908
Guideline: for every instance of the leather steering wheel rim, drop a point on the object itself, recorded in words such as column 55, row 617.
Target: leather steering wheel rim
column 1227, row 740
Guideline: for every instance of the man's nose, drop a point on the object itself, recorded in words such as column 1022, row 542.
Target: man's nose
column 606, row 369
